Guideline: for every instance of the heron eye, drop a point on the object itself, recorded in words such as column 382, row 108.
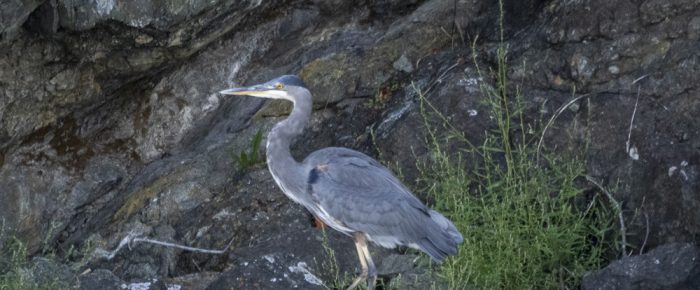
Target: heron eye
column 279, row 86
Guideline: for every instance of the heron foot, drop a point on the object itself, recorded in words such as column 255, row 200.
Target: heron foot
column 369, row 271
column 371, row 279
column 357, row 281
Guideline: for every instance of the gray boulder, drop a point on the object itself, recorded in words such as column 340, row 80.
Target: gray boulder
column 671, row 266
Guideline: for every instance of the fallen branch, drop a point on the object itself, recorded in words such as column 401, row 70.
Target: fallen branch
column 133, row 238
column 618, row 208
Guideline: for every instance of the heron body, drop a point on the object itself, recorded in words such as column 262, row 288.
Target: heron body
column 348, row 190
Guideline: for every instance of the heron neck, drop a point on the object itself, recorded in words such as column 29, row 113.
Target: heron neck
column 287, row 172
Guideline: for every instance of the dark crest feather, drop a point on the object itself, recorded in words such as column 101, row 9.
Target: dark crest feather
column 290, row 80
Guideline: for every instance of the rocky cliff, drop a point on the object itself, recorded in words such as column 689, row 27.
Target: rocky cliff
column 111, row 122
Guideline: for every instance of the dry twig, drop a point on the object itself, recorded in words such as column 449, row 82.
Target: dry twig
column 646, row 235
column 633, row 153
column 133, row 238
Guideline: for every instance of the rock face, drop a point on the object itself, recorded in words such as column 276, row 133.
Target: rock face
column 634, row 62
column 14, row 14
column 111, row 122
column 671, row 266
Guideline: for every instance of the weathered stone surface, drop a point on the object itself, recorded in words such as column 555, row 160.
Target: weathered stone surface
column 403, row 64
column 110, row 121
column 333, row 77
column 48, row 273
column 195, row 281
column 119, row 138
column 671, row 266
column 100, row 279
column 625, row 68
column 282, row 268
column 12, row 16
column 158, row 13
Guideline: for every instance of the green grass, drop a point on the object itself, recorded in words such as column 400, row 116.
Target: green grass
column 337, row 278
column 246, row 160
column 16, row 272
column 13, row 257
column 524, row 227
column 526, row 224
column 19, row 271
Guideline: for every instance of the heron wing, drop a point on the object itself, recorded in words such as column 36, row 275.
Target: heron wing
column 357, row 191
column 353, row 192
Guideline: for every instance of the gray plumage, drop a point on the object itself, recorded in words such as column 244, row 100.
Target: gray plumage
column 348, row 190
column 360, row 194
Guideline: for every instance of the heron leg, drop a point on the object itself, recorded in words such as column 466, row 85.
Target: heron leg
column 360, row 243
column 371, row 271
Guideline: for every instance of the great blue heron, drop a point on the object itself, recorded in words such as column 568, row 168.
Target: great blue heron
column 348, row 190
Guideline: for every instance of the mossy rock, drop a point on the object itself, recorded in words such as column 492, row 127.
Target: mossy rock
column 333, row 78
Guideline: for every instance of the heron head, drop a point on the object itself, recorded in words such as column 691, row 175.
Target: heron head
column 283, row 87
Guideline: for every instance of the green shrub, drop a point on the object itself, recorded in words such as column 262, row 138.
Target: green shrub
column 526, row 223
